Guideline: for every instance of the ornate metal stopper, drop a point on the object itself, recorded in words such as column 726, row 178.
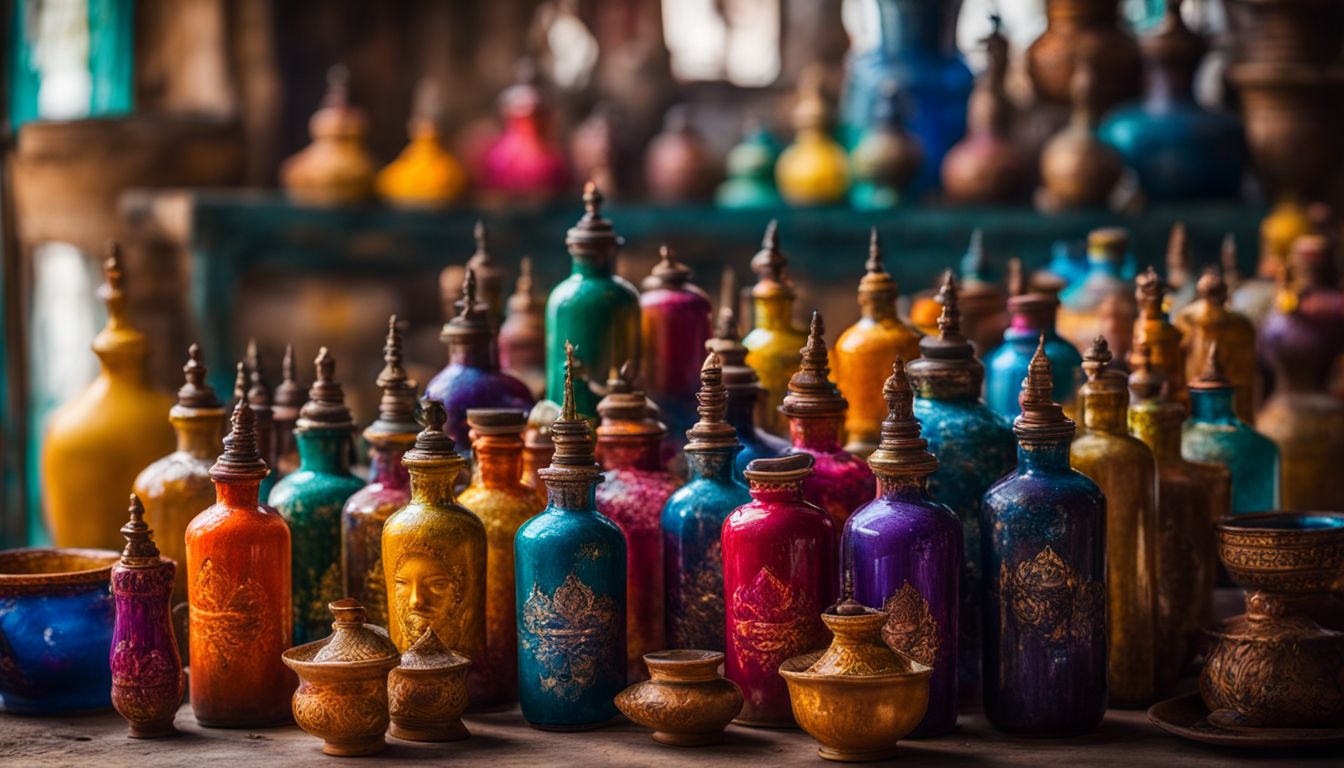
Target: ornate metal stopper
column 195, row 395
column 1149, row 291
column 523, row 300
column 325, row 408
column 240, row 383
column 712, row 431
column 784, row 470
column 1041, row 418
column 593, row 235
column 396, row 410
column 482, row 262
column 473, row 317
column 811, row 391
column 947, row 360
column 289, row 396
column 1211, row 287
column 626, row 411
column 1104, row 387
column 739, row 378
column 1178, row 257
column 1212, row 376
column 769, row 264
column 240, row 460
column 1145, row 382
column 1015, row 282
column 258, row 394
column 117, row 336
column 139, row 538
column 1097, row 357
column 877, row 286
column 433, row 446
column 574, row 455
column 497, row 421
column 900, row 449
column 668, row 272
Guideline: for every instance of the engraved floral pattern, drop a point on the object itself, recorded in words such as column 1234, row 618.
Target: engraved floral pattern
column 698, row 617
column 227, row 615
column 773, row 621
column 1046, row 595
column 565, row 632
column 910, row 627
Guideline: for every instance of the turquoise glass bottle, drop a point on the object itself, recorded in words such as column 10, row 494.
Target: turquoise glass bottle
column 1033, row 314
column 569, row 572
column 692, row 521
column 594, row 308
column 1213, row 433
column 750, row 170
column 311, row 499
column 975, row 447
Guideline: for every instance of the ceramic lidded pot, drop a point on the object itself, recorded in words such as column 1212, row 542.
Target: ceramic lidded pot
column 686, row 703
column 858, row 697
column 342, row 696
column 427, row 692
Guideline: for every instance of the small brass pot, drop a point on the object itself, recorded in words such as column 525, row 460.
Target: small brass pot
column 686, row 703
column 427, row 692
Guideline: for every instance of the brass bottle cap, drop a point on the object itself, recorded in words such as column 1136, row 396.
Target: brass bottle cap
column 258, row 394
column 523, row 300
column 488, row 273
column 668, row 272
column 948, row 356
column 738, row 377
column 1212, row 376
column 712, row 432
column 811, row 391
column 325, row 408
column 433, row 446
column 900, row 449
column 118, row 337
column 626, row 411
column 240, row 460
column 769, row 265
column 289, row 396
column 793, row 468
column 877, row 284
column 396, row 409
column 1211, row 287
column 1149, row 292
column 1178, row 256
column 139, row 538
column 1041, row 418
column 195, row 395
column 473, row 316
column 497, row 421
column 1108, row 244
column 593, row 235
column 1102, row 382
column 575, row 456
column 1145, row 382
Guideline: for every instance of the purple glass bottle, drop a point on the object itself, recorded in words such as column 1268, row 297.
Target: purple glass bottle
column 146, row 666
column 675, row 318
column 472, row 378
column 902, row 553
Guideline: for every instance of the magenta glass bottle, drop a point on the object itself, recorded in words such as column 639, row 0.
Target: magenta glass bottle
column 675, row 322
column 779, row 574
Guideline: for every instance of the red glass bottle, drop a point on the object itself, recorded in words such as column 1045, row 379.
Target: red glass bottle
column 779, row 573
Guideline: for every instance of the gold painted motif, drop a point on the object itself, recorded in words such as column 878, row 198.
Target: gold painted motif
column 566, row 632
column 226, row 615
column 1047, row 596
column 429, row 592
column 329, row 590
column 700, row 617
column 772, row 620
column 910, row 628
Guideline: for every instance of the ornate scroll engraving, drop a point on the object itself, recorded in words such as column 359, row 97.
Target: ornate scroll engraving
column 1046, row 595
column 698, row 618
column 228, row 616
column 773, row 620
column 910, row 628
column 566, row 632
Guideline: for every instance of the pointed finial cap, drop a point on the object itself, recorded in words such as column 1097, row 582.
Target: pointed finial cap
column 712, row 431
column 1212, row 375
column 396, row 410
column 1149, row 291
column 1042, row 418
column 626, row 411
column 240, row 461
column 769, row 265
column 195, row 394
column 473, row 315
column 139, row 538
column 325, row 408
column 811, row 391
column 574, row 457
column 901, row 451
column 289, row 396
column 877, row 285
column 1211, row 287
column 433, row 447
column 523, row 300
column 258, row 394
column 593, row 235
column 669, row 272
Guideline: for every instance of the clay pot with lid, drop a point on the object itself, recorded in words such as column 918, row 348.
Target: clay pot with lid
column 427, row 692
column 686, row 703
column 342, row 695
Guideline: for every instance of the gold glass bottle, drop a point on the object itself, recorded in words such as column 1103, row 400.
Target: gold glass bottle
column 434, row 552
column 864, row 352
column 177, row 487
column 98, row 442
column 1163, row 340
column 1208, row 320
column 1123, row 468
column 773, row 344
column 498, row 497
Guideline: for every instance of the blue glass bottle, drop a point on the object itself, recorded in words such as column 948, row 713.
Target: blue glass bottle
column 1033, row 314
column 975, row 447
column 1044, row 544
column 311, row 498
column 1213, row 433
column 902, row 552
column 692, row 521
column 569, row 572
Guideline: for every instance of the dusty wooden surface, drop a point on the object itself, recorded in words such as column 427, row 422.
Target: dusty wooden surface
column 503, row 740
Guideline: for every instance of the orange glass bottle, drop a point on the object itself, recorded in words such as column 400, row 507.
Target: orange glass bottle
column 238, row 588
column 1207, row 321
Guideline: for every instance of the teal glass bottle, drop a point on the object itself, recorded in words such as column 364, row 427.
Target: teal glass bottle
column 594, row 308
column 1213, row 433
column 692, row 521
column 1032, row 314
column 311, row 498
column 975, row 447
column 569, row 576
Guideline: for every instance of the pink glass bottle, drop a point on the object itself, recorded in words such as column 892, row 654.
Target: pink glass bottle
column 779, row 573
column 675, row 321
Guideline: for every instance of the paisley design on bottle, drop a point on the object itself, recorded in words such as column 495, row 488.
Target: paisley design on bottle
column 1045, row 595
column 429, row 594
column 228, row 616
column 566, row 632
column 700, row 614
column 774, row 621
column 910, row 628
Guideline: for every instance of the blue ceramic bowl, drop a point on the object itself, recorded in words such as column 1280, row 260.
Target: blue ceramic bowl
column 56, row 615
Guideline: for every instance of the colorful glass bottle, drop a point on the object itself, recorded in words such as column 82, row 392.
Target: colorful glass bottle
column 88, row 448
column 176, row 487
column 814, row 169
column 424, row 175
column 773, row 342
column 839, row 482
column 1208, row 320
column 498, row 497
column 779, row 573
column 336, row 168
column 238, row 588
column 1154, row 331
column 750, row 168
column 522, row 337
column 635, row 487
column 594, row 308
column 1033, row 314
column 1077, row 170
column 1124, row 468
column 472, row 378
column 865, row 350
column 259, row 400
column 434, row 552
column 676, row 318
column 1044, row 544
column 692, row 521
column 987, row 166
column 147, row 680
column 569, row 572
column 975, row 447
column 537, row 445
column 886, row 157
column 389, row 487
column 1191, row 496
column 1213, row 433
column 744, row 388
column 311, row 499
column 902, row 552
column 524, row 162
column 1102, row 302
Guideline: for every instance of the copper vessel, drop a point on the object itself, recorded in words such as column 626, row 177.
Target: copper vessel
column 1077, row 169
column 427, row 692
column 1075, row 28
column 987, row 166
column 686, row 702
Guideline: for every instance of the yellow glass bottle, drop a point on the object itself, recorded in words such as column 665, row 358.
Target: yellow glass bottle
column 99, row 441
column 177, row 487
column 814, row 169
column 773, row 344
column 1123, row 467
column 864, row 353
column 425, row 174
column 1207, row 321
column 1162, row 339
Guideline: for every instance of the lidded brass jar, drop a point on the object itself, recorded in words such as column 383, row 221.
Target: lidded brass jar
column 427, row 692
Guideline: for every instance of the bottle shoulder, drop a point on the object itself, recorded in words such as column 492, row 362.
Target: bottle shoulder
column 419, row 519
column 554, row 524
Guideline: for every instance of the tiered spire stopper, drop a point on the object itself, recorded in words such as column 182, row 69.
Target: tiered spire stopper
column 712, row 431
column 195, row 394
column 139, row 538
column 396, row 409
column 326, row 407
column 1042, row 418
column 240, row 460
column 811, row 391
column 901, row 450
column 573, row 438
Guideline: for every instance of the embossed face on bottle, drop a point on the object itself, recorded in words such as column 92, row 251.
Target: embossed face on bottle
column 428, row 592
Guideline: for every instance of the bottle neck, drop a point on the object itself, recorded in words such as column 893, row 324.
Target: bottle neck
column 817, row 433
column 630, row 453
column 199, row 436
column 499, row 461
column 591, row 266
column 244, row 494
column 1212, row 405
column 907, row 488
column 774, row 313
column 471, row 352
column 433, row 486
column 877, row 307
column 1158, row 425
column 324, row 450
column 777, row 493
column 1105, row 412
column 715, row 464
column 578, row 495
column 1042, row 456
column 385, row 467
